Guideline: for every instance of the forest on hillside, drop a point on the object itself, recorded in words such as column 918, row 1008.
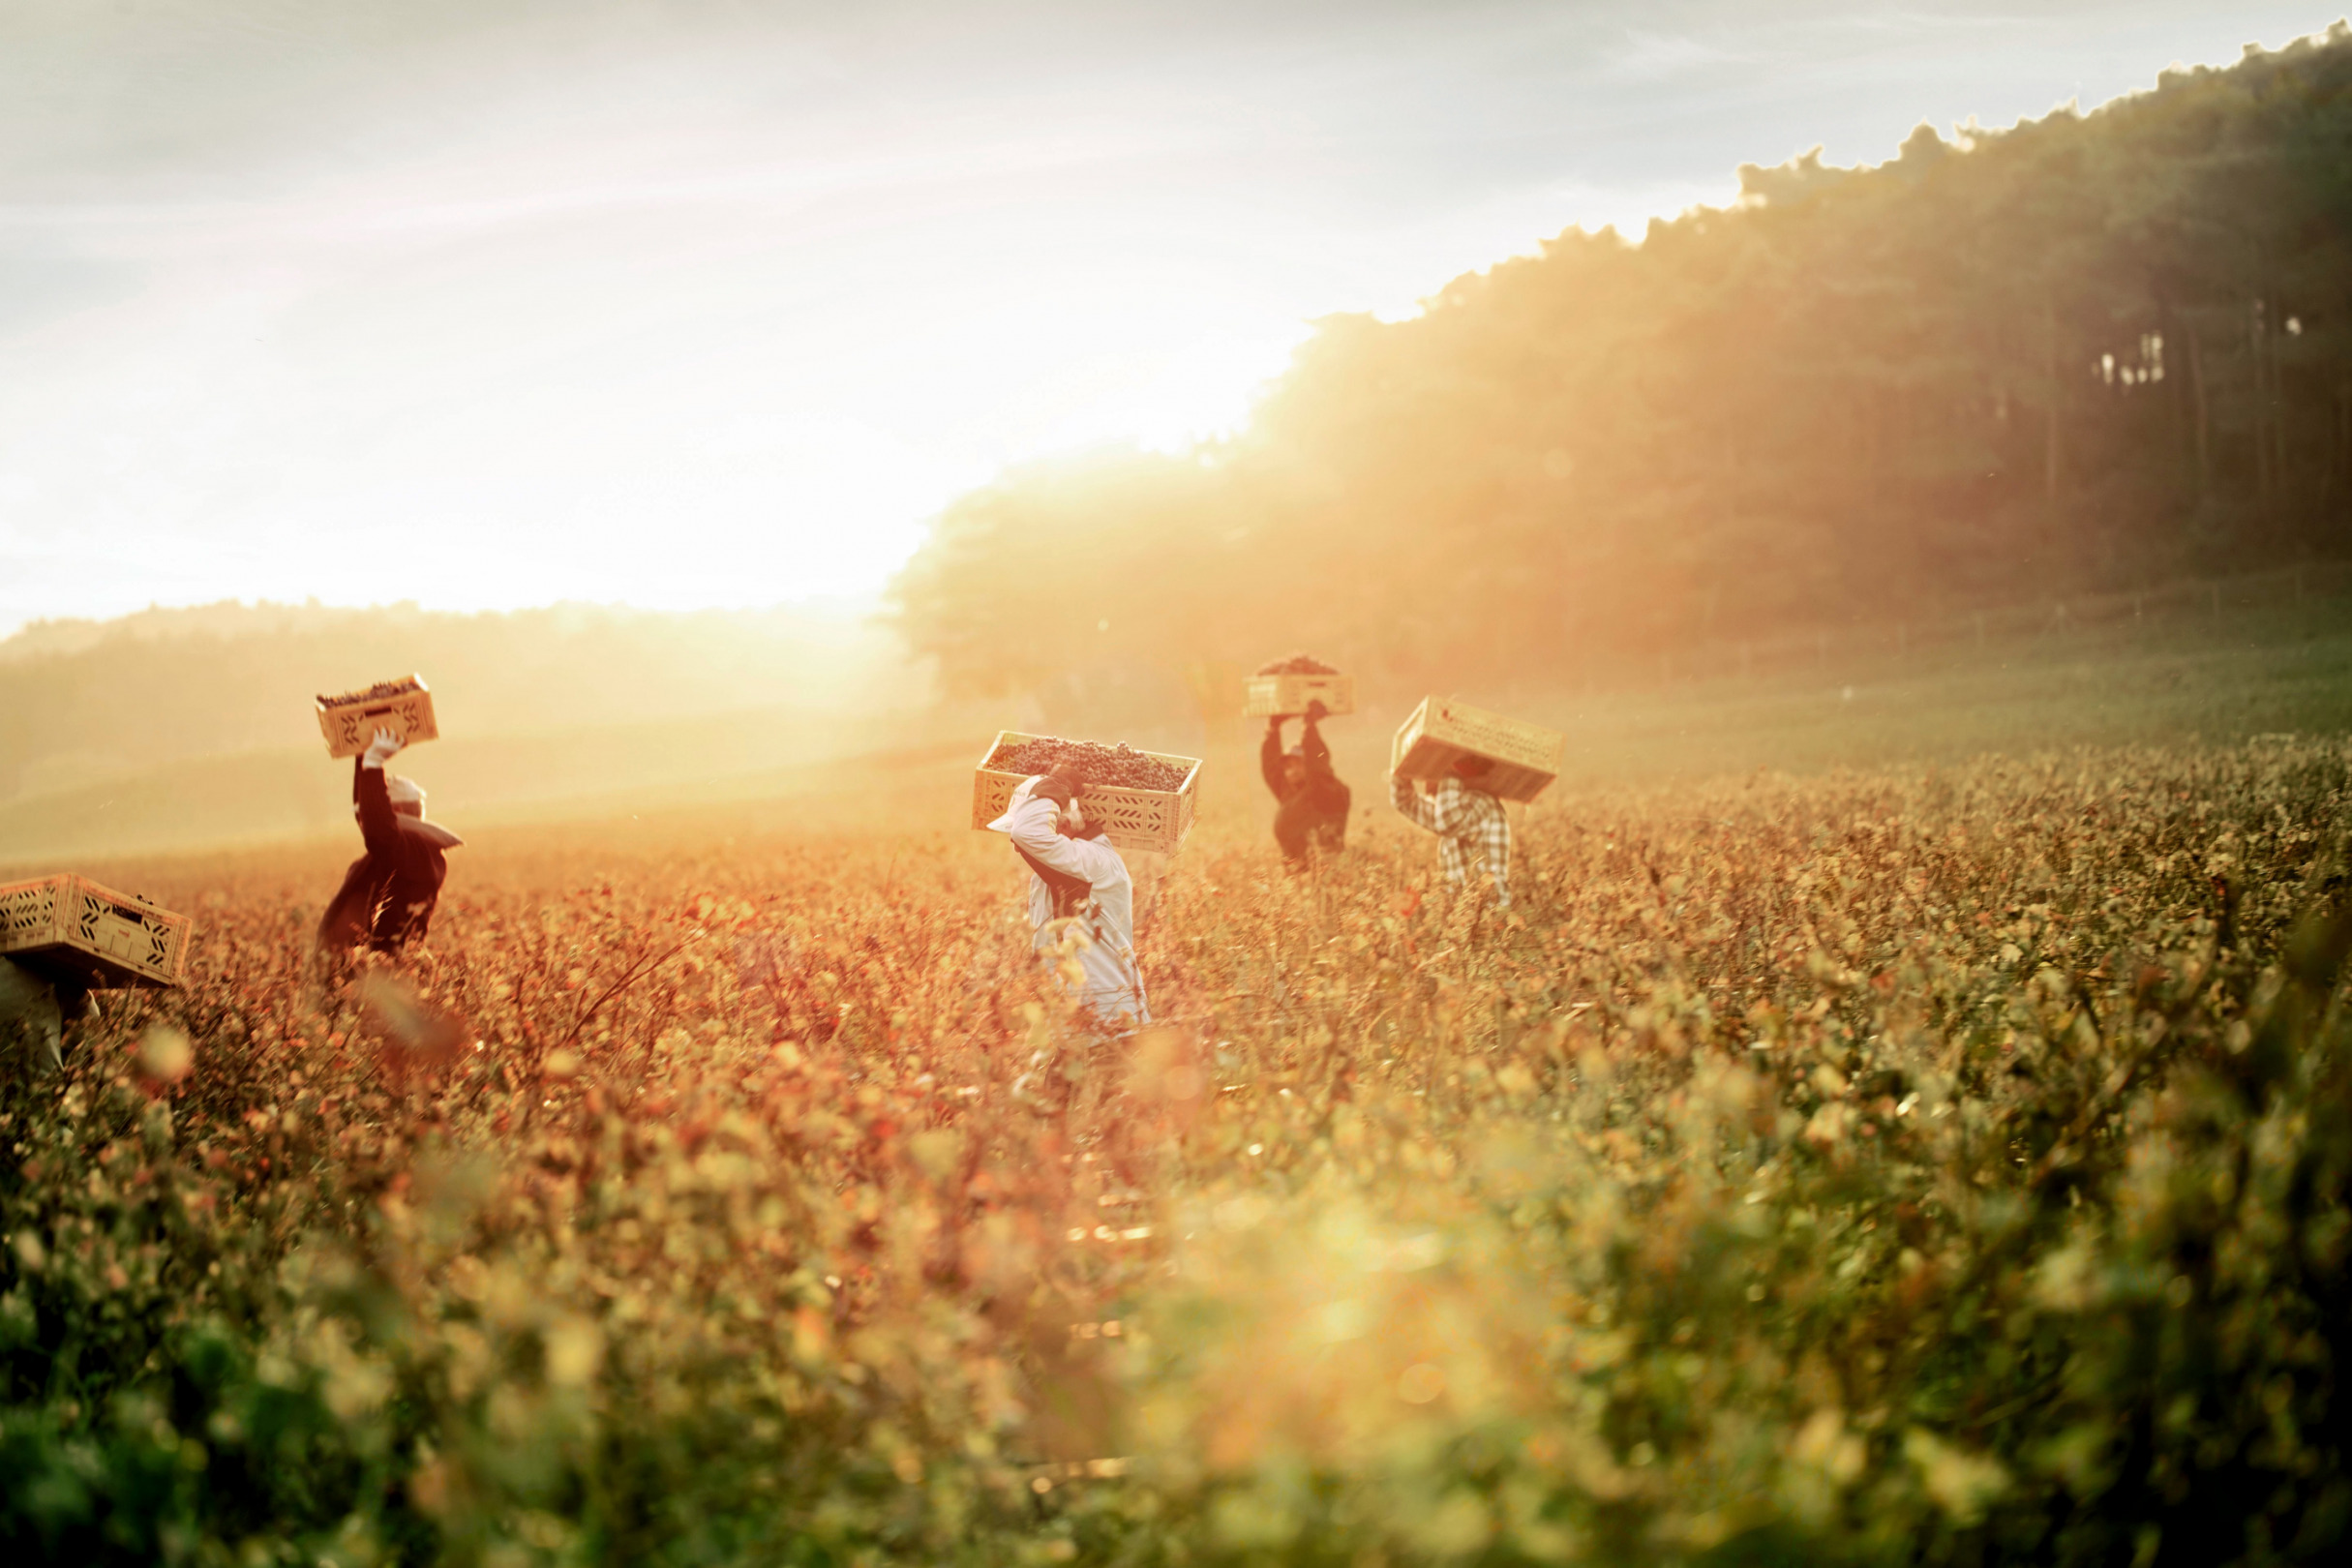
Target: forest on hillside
column 2090, row 351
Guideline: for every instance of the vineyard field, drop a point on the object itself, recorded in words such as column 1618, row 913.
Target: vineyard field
column 1919, row 1162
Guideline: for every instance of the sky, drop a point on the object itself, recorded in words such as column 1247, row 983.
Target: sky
column 675, row 303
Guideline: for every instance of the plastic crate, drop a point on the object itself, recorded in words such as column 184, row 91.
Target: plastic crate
column 349, row 723
column 74, row 929
column 1265, row 696
column 1527, row 757
column 1155, row 820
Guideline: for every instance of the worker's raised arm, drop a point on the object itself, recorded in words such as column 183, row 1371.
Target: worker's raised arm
column 1409, row 802
column 1450, row 810
column 1269, row 757
column 1033, row 822
column 378, row 828
column 1029, row 821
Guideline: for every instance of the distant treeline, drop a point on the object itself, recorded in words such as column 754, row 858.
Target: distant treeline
column 78, row 700
column 2089, row 351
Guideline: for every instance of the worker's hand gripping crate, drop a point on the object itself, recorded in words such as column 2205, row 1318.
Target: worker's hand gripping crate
column 72, row 928
column 1267, row 696
column 1138, row 819
column 351, row 721
column 1525, row 757
column 1288, row 685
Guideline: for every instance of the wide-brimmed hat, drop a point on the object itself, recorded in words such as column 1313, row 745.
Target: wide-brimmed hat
column 431, row 832
column 406, row 792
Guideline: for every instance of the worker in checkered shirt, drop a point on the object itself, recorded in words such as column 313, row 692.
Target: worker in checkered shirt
column 1470, row 823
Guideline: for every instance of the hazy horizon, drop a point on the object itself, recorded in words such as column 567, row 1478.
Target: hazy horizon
column 44, row 633
column 684, row 307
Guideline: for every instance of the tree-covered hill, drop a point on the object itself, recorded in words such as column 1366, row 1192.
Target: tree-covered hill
column 2092, row 350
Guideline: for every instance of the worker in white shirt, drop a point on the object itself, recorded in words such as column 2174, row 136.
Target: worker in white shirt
column 1079, row 885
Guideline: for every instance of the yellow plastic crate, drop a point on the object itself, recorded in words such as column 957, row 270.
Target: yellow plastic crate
column 1527, row 757
column 1155, row 820
column 351, row 722
column 75, row 928
column 1265, row 696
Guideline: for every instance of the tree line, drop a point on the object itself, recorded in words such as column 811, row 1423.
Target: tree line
column 2088, row 351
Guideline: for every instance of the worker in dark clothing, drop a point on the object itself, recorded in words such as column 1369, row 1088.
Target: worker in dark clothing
column 38, row 1008
column 1312, row 816
column 388, row 896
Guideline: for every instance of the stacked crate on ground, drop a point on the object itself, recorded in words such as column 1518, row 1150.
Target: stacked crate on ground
column 1156, row 820
column 72, row 928
column 351, row 721
column 1525, row 757
column 1268, row 695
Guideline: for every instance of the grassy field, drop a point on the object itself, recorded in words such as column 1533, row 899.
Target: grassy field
column 1907, row 1151
column 2181, row 679
column 2178, row 678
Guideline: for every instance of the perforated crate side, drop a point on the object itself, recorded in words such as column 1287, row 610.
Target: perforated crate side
column 1156, row 820
column 1265, row 696
column 1138, row 819
column 1497, row 736
column 28, row 913
column 348, row 726
column 1428, row 743
column 1432, row 759
column 149, row 941
column 92, row 932
column 991, row 794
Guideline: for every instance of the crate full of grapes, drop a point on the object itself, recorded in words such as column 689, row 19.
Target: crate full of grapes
column 1288, row 685
column 1147, row 797
column 351, row 721
column 1522, row 757
column 71, row 928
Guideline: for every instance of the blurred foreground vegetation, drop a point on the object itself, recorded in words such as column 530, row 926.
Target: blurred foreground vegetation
column 1926, row 1163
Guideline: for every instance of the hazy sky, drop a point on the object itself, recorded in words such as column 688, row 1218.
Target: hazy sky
column 489, row 303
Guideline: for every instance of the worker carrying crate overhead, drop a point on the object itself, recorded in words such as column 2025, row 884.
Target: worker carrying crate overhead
column 1310, row 802
column 388, row 895
column 63, row 937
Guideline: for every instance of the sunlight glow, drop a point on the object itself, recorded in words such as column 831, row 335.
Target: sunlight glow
column 724, row 316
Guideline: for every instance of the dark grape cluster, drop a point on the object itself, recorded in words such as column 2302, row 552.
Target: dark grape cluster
column 1297, row 664
column 1082, row 762
column 382, row 688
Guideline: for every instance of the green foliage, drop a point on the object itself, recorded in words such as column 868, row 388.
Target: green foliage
column 1925, row 1165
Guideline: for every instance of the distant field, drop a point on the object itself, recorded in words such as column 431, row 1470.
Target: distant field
column 2185, row 679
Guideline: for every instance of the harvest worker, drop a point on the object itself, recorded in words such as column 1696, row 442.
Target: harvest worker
column 1079, row 885
column 1311, row 809
column 388, row 894
column 1470, row 823
column 35, row 1010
